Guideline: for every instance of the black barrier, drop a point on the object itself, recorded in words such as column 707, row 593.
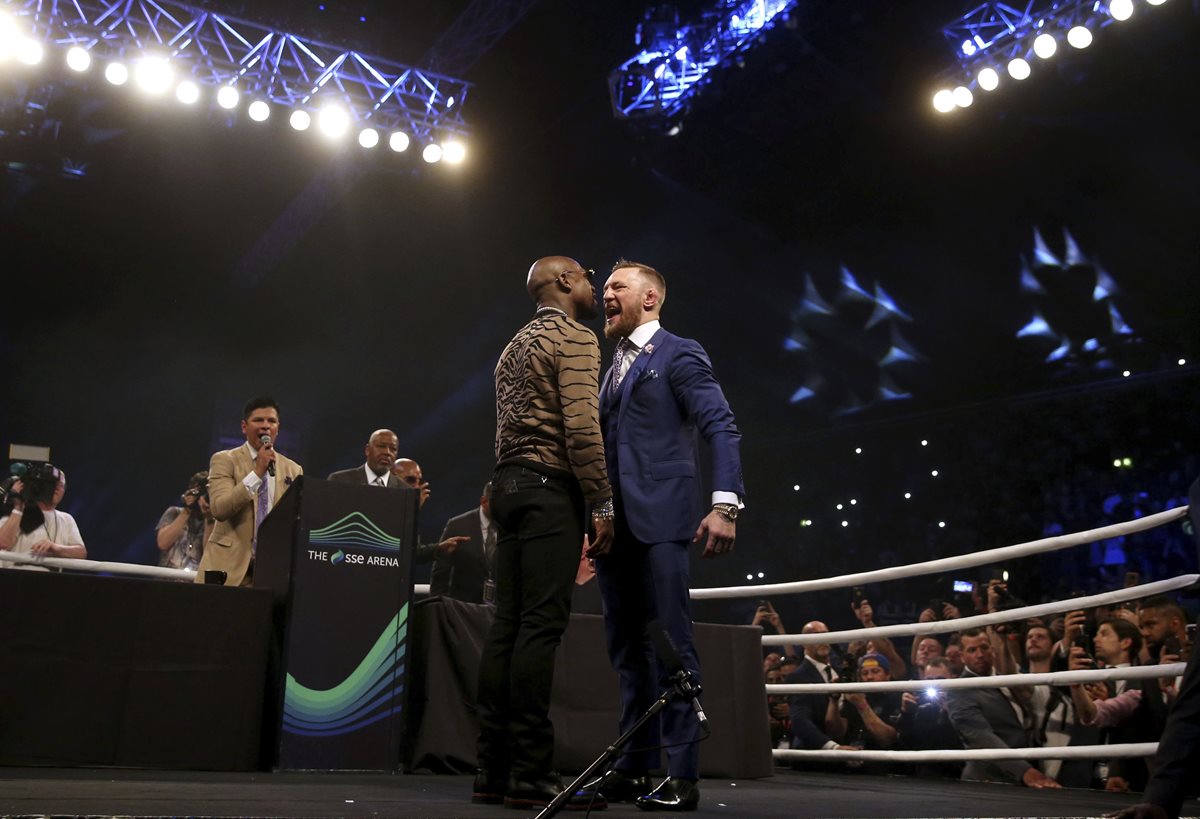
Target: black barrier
column 130, row 672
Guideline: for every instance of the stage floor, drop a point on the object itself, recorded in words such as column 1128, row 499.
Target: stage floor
column 111, row 792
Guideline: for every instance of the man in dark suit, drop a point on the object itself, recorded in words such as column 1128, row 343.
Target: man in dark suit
column 987, row 718
column 658, row 395
column 468, row 572
column 815, row 716
column 1177, row 763
column 380, row 451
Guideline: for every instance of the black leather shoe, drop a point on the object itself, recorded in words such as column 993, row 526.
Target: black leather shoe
column 488, row 789
column 673, row 794
column 523, row 795
column 619, row 786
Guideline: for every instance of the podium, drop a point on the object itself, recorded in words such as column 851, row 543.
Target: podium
column 338, row 559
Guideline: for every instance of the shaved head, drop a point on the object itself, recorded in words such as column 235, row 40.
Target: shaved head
column 545, row 271
column 562, row 283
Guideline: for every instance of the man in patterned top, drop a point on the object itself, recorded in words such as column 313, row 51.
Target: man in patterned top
column 549, row 466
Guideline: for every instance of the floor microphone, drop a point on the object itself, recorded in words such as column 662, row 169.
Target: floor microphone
column 668, row 655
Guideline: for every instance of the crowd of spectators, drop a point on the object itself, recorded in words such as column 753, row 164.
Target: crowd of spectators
column 1150, row 631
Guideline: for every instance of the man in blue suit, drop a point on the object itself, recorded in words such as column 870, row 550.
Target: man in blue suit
column 659, row 394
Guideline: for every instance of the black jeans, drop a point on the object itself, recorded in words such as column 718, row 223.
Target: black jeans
column 540, row 524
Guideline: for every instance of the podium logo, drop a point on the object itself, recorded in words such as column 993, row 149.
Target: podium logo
column 371, row 692
column 349, row 537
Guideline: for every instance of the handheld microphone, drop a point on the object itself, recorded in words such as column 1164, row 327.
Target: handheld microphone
column 266, row 441
column 668, row 655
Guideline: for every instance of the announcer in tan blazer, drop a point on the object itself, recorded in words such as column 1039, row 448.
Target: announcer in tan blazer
column 234, row 480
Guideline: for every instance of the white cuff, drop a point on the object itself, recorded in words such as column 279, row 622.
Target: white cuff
column 252, row 482
column 728, row 497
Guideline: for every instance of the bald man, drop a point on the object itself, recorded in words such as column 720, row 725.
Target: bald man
column 815, row 716
column 380, row 451
column 550, row 469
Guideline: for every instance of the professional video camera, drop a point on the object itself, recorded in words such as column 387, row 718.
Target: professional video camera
column 38, row 482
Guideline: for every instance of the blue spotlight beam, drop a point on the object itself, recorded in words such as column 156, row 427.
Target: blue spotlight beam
column 658, row 81
column 262, row 62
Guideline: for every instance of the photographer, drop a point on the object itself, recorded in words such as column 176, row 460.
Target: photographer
column 34, row 526
column 925, row 723
column 182, row 530
column 871, row 719
column 881, row 645
column 766, row 614
column 1131, row 710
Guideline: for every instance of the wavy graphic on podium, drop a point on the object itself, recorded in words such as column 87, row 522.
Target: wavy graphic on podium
column 369, row 694
column 357, row 531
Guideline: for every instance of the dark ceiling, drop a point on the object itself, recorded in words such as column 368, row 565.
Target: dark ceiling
column 196, row 265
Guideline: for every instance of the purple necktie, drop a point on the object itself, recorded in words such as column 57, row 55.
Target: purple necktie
column 260, row 512
column 619, row 361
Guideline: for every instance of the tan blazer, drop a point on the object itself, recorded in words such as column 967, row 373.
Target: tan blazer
column 228, row 547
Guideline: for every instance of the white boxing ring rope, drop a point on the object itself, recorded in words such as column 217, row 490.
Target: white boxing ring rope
column 1130, row 749
column 1136, row 672
column 942, row 626
column 98, row 566
column 979, row 620
column 1049, row 544
column 108, row 567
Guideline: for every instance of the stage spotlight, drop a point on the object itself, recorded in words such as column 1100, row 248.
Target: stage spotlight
column 845, row 523
column 963, row 97
column 228, row 97
column 924, row 442
column 10, row 36
column 839, row 506
column 908, row 495
column 989, row 80
column 943, row 101
column 187, row 92
column 796, row 487
column 398, row 141
column 749, row 577
column 1120, row 9
column 1156, row 2
column 1117, row 463
column 454, row 152
column 1045, row 45
column 858, row 450
column 1079, row 37
column 259, row 111
column 854, row 501
column 29, row 51
column 934, row 473
column 1018, row 69
column 1126, row 374
column 333, row 121
column 78, row 59
column 761, row 575
column 432, row 153
column 116, row 73
column 368, row 137
column 1182, row 361
column 153, row 75
column 300, row 120
column 941, row 524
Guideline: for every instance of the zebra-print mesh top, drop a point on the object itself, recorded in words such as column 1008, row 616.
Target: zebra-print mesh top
column 547, row 402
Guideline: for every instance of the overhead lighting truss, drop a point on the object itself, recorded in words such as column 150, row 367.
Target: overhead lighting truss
column 658, row 81
column 261, row 62
column 998, row 43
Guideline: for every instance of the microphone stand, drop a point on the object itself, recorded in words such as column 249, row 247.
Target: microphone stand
column 682, row 687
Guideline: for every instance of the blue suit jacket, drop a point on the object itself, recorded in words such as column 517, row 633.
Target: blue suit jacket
column 651, row 423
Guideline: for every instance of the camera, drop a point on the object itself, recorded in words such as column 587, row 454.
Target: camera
column 858, row 594
column 38, row 483
column 198, row 489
